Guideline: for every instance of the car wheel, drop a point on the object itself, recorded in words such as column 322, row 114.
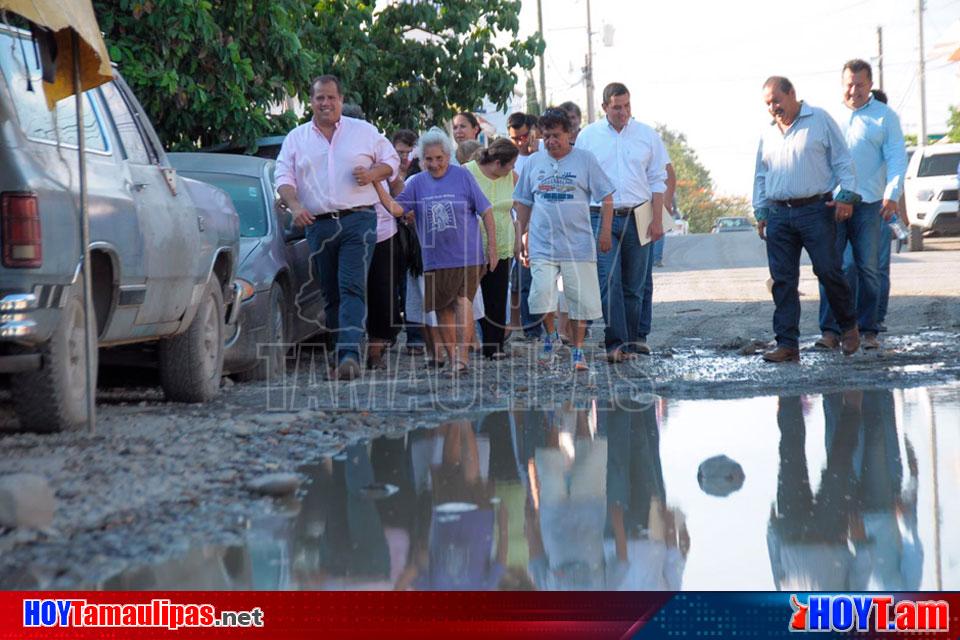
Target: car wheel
column 54, row 398
column 272, row 357
column 191, row 363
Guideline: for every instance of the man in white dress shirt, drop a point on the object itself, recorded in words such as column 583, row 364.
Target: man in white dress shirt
column 633, row 155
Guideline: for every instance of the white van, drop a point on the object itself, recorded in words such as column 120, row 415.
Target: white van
column 931, row 188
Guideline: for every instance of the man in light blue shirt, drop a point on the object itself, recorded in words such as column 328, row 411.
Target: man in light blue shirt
column 801, row 159
column 873, row 135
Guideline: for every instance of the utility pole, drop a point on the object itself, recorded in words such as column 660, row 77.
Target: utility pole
column 880, row 58
column 588, row 68
column 922, row 142
column 543, row 70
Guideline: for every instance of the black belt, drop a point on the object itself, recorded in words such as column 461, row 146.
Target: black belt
column 617, row 211
column 796, row 203
column 335, row 215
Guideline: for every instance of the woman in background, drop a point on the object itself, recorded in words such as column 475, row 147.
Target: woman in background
column 493, row 171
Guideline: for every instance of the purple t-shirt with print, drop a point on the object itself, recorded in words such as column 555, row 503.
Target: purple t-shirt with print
column 448, row 222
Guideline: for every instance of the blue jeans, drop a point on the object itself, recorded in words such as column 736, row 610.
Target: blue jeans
column 883, row 268
column 342, row 250
column 531, row 322
column 646, row 306
column 622, row 272
column 789, row 231
column 658, row 249
column 861, row 233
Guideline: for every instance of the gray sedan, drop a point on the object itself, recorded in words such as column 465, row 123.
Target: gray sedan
column 281, row 300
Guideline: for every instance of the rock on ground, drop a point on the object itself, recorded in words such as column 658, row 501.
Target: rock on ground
column 26, row 500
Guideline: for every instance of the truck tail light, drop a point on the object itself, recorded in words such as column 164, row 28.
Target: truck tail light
column 20, row 228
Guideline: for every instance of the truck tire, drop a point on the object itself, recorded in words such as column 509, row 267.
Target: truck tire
column 915, row 241
column 271, row 367
column 191, row 363
column 54, row 398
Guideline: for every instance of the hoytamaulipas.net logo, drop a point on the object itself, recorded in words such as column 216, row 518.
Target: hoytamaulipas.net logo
column 159, row 612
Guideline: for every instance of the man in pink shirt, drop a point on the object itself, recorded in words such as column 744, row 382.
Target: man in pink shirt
column 325, row 175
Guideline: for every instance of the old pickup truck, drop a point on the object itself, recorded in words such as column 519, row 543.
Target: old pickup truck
column 163, row 248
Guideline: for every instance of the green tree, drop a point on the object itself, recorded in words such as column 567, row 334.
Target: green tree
column 953, row 125
column 695, row 196
column 209, row 72
column 206, row 72
column 413, row 64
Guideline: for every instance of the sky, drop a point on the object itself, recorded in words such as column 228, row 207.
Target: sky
column 698, row 66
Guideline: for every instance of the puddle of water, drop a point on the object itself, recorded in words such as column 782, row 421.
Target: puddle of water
column 917, row 368
column 839, row 492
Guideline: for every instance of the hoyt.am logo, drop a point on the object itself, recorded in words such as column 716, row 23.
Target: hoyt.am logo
column 868, row 613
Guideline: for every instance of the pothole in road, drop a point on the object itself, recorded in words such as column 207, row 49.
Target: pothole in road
column 838, row 491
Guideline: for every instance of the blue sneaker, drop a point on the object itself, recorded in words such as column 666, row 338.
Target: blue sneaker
column 548, row 351
column 579, row 360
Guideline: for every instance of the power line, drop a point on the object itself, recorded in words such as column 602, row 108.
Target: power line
column 746, row 78
column 909, row 92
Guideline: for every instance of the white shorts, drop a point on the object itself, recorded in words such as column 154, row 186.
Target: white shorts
column 413, row 312
column 581, row 288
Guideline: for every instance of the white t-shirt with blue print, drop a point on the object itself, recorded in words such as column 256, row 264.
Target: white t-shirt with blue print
column 560, row 192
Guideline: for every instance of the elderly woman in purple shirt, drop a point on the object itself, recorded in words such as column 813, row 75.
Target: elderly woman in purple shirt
column 447, row 204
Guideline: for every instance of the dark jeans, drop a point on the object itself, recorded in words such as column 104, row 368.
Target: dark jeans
column 862, row 233
column 342, row 250
column 634, row 470
column 881, row 469
column 493, row 324
column 789, row 231
column 646, row 305
column 531, row 322
column 623, row 273
column 658, row 249
column 883, row 267
column 802, row 516
column 383, row 286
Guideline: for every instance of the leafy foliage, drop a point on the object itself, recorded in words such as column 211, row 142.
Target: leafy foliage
column 211, row 71
column 695, row 196
column 953, row 125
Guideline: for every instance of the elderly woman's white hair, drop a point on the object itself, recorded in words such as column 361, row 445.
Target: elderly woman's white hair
column 435, row 136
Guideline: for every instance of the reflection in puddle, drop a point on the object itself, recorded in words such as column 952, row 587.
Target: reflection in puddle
column 845, row 491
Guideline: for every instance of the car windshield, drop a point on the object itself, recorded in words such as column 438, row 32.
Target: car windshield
column 733, row 222
column 247, row 196
column 941, row 164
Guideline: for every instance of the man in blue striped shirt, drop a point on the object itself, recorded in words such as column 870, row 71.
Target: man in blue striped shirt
column 801, row 159
column 876, row 144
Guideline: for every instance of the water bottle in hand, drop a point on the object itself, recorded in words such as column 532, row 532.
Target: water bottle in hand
column 900, row 232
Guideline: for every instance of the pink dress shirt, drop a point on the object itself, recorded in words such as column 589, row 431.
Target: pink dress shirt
column 386, row 223
column 322, row 171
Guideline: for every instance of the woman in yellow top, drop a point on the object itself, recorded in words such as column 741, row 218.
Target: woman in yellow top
column 493, row 170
